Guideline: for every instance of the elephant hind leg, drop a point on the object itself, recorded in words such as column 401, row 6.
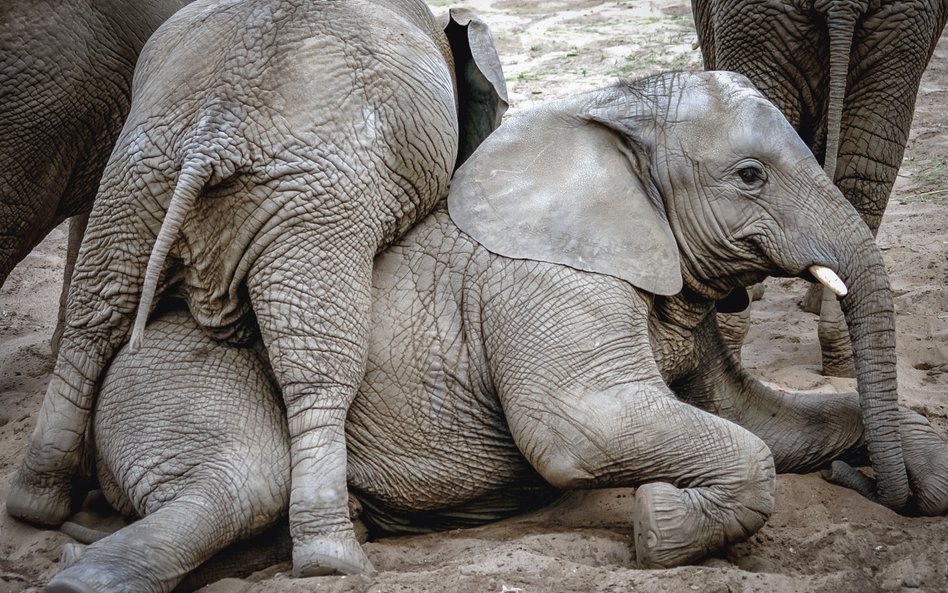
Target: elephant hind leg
column 312, row 305
column 153, row 554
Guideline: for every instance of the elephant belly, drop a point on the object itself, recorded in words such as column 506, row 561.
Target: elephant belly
column 428, row 441
column 428, row 470
column 427, row 448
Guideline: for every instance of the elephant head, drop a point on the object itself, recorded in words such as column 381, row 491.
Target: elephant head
column 688, row 182
column 829, row 65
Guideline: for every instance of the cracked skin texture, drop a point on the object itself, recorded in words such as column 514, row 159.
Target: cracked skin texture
column 446, row 432
column 262, row 177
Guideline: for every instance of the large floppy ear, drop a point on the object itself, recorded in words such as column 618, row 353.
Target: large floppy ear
column 561, row 185
column 482, row 92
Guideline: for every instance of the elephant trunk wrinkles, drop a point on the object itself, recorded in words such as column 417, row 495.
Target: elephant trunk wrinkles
column 870, row 316
column 841, row 19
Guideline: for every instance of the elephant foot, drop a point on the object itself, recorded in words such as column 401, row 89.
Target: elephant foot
column 756, row 291
column 96, row 577
column 835, row 365
column 355, row 515
column 64, row 583
column 675, row 526
column 843, row 474
column 330, row 554
column 929, row 479
column 41, row 499
column 668, row 527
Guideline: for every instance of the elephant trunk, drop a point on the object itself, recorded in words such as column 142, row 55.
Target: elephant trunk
column 826, row 231
column 870, row 315
column 841, row 16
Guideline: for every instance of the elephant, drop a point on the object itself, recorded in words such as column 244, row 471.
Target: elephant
column 496, row 377
column 66, row 81
column 272, row 148
column 846, row 74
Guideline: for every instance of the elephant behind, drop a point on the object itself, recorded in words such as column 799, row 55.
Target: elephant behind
column 846, row 74
column 66, row 85
column 273, row 147
column 496, row 380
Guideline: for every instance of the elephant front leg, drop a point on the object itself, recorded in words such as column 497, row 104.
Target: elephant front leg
column 801, row 444
column 312, row 306
column 703, row 482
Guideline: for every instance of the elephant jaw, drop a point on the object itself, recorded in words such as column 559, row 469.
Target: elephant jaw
column 829, row 279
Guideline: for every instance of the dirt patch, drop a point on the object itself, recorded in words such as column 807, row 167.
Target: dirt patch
column 822, row 538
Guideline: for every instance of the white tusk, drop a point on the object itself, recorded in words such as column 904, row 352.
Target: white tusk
column 829, row 279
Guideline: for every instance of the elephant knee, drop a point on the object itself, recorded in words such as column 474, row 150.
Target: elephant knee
column 674, row 526
column 564, row 469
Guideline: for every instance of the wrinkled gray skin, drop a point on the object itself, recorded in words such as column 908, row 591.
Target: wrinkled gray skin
column 846, row 74
column 494, row 381
column 65, row 88
column 273, row 147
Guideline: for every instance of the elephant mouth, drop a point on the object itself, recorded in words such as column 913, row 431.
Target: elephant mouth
column 817, row 268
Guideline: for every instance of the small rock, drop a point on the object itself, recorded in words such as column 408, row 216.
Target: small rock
column 911, row 581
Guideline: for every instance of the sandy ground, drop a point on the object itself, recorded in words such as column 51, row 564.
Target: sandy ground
column 822, row 538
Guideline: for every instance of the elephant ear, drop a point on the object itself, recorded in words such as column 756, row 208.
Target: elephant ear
column 482, row 92
column 560, row 184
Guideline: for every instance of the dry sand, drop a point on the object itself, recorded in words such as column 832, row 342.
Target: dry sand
column 822, row 538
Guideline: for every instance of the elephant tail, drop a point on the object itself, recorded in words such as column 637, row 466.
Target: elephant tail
column 841, row 17
column 192, row 179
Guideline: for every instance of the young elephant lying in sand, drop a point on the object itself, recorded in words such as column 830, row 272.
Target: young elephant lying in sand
column 565, row 338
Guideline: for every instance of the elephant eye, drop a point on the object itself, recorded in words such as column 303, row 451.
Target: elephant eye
column 752, row 175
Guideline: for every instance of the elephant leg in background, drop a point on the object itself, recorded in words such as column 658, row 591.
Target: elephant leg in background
column 77, row 228
column 835, row 345
column 734, row 326
column 886, row 68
